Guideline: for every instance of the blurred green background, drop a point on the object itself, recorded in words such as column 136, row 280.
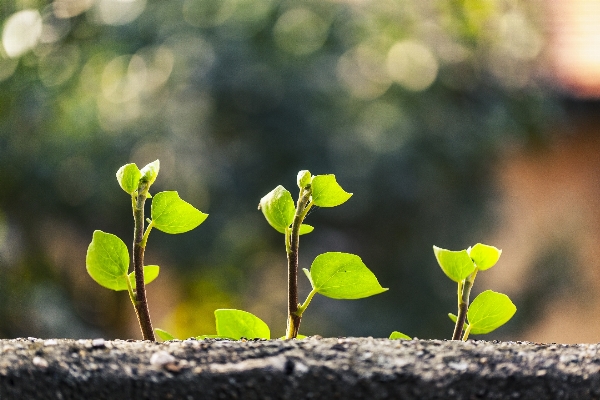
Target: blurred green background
column 410, row 103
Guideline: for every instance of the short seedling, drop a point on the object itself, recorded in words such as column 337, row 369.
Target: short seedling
column 107, row 259
column 490, row 309
column 335, row 275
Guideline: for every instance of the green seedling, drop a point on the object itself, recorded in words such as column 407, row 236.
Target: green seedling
column 107, row 259
column 489, row 310
column 399, row 335
column 335, row 275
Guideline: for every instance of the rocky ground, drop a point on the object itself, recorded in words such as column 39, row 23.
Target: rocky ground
column 314, row 368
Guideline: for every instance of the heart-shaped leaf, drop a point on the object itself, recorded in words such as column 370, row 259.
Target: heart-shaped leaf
column 326, row 192
column 171, row 214
column 399, row 335
column 237, row 324
column 484, row 256
column 457, row 265
column 343, row 276
column 107, row 260
column 128, row 177
column 489, row 311
column 278, row 208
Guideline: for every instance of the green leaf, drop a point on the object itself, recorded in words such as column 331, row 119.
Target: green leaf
column 326, row 192
column 150, row 274
column 484, row 256
column 278, row 208
column 170, row 214
column 489, row 311
column 107, row 260
column 399, row 335
column 343, row 276
column 305, row 228
column 163, row 335
column 237, row 324
column 457, row 265
column 128, row 177
column 150, row 172
column 454, row 318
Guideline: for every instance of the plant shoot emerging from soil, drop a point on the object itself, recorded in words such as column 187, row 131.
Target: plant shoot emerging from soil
column 490, row 309
column 107, row 260
column 335, row 275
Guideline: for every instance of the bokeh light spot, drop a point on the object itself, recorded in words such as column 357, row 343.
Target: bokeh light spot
column 118, row 12
column 21, row 32
column 412, row 65
column 300, row 31
column 56, row 67
column 208, row 13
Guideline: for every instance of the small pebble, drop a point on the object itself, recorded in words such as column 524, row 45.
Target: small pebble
column 50, row 342
column 98, row 342
column 161, row 358
column 40, row 362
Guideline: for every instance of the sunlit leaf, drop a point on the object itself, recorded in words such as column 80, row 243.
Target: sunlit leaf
column 484, row 256
column 399, row 335
column 326, row 192
column 304, row 178
column 343, row 276
column 489, row 311
column 305, row 228
column 237, row 324
column 107, row 260
column 171, row 214
column 150, row 274
column 128, row 177
column 457, row 265
column 150, row 172
column 278, row 208
column 163, row 335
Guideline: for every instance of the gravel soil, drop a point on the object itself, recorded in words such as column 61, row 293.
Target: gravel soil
column 314, row 368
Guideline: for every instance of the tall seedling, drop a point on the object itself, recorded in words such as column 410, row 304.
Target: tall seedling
column 107, row 259
column 335, row 275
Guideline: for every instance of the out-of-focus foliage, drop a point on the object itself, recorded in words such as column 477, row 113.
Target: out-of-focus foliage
column 407, row 102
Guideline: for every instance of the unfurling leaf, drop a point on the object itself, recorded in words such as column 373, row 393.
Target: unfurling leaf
column 278, row 208
column 457, row 265
column 128, row 177
column 150, row 172
column 237, row 324
column 343, row 276
column 305, row 228
column 171, row 214
column 484, row 256
column 326, row 192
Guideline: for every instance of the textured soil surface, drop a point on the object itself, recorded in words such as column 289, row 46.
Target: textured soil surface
column 314, row 368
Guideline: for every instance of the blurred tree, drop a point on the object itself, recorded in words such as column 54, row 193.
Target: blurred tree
column 407, row 102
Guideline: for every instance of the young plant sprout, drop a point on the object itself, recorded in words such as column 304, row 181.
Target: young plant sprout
column 335, row 275
column 107, row 260
column 490, row 309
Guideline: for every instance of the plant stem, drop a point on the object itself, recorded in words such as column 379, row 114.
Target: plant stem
column 464, row 291
column 139, row 245
column 467, row 331
column 293, row 239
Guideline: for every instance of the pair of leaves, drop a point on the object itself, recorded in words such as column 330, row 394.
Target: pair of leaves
column 489, row 311
column 342, row 276
column 129, row 176
column 458, row 265
column 107, row 262
column 232, row 324
column 279, row 209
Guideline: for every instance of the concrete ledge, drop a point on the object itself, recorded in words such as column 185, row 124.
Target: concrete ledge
column 315, row 368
